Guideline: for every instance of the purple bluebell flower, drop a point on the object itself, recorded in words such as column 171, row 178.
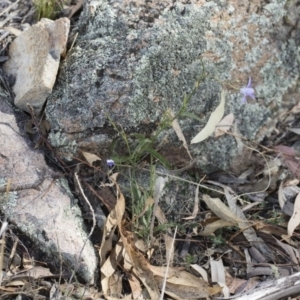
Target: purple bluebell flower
column 110, row 163
column 247, row 91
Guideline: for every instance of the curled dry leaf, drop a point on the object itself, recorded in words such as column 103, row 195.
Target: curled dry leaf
column 213, row 121
column 225, row 125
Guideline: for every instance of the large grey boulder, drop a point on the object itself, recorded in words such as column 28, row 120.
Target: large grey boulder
column 38, row 201
column 132, row 61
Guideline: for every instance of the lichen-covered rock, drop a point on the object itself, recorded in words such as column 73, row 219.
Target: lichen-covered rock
column 133, row 60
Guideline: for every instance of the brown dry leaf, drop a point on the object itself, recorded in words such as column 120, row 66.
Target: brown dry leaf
column 27, row 261
column 108, row 232
column 159, row 214
column 187, row 292
column 127, row 262
column 186, row 283
column 139, row 262
column 115, row 284
column 295, row 219
column 161, row 271
column 106, row 247
column 225, row 125
column 233, row 283
column 213, row 121
column 17, row 282
column 90, row 157
column 141, row 269
column 114, row 219
column 113, row 179
column 221, row 210
column 212, row 227
column 179, row 133
column 135, row 286
column 110, row 265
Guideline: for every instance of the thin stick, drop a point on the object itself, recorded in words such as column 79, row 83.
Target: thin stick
column 75, row 38
column 8, row 8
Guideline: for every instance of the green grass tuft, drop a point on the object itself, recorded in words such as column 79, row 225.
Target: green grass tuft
column 47, row 8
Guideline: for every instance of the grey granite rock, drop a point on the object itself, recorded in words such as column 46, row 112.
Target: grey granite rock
column 34, row 58
column 38, row 201
column 134, row 60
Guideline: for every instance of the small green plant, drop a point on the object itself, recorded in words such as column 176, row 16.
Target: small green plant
column 47, row 8
column 189, row 259
column 277, row 218
column 134, row 150
column 218, row 240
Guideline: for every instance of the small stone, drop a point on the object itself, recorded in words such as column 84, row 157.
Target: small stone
column 34, row 61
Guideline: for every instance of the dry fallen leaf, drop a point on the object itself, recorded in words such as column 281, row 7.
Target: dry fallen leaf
column 295, row 219
column 90, row 157
column 13, row 30
column 201, row 271
column 212, row 227
column 221, row 210
column 179, row 133
column 225, row 125
column 183, row 284
column 233, row 283
column 213, row 121
column 218, row 275
column 296, row 108
column 139, row 262
column 295, row 130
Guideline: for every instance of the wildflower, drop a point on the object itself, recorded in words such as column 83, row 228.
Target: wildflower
column 110, row 163
column 247, row 91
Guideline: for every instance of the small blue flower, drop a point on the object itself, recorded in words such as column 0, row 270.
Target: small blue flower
column 110, row 163
column 247, row 91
